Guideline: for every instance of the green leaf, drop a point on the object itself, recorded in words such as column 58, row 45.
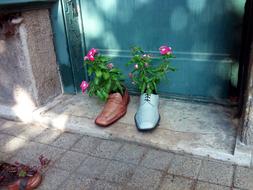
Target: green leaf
column 143, row 87
column 106, row 76
column 96, row 81
column 89, row 71
column 98, row 73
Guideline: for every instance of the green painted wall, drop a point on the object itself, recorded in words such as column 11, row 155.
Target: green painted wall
column 205, row 36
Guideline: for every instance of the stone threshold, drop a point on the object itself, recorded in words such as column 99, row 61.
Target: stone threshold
column 205, row 130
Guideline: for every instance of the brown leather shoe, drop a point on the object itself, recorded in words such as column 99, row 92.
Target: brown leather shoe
column 10, row 179
column 27, row 183
column 114, row 109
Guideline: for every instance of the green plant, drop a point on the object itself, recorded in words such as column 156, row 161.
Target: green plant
column 105, row 78
column 145, row 75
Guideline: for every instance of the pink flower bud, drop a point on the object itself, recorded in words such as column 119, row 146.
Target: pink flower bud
column 110, row 66
column 146, row 64
column 136, row 66
column 130, row 75
column 84, row 85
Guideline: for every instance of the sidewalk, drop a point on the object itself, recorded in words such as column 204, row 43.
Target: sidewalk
column 85, row 162
column 200, row 129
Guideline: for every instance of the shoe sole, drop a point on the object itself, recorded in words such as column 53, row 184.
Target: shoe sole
column 146, row 130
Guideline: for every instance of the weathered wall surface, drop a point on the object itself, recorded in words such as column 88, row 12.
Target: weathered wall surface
column 28, row 62
column 247, row 130
column 42, row 54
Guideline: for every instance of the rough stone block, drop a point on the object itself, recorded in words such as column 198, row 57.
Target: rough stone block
column 107, row 149
column 66, row 140
column 118, row 172
column 176, row 183
column 31, row 132
column 155, row 159
column 70, row 161
column 209, row 186
column 86, row 144
column 146, row 179
column 53, row 153
column 185, row 166
column 216, row 172
column 11, row 144
column 93, row 167
column 76, row 182
column 53, row 179
column 130, row 153
column 243, row 178
column 47, row 136
column 31, row 150
column 104, row 185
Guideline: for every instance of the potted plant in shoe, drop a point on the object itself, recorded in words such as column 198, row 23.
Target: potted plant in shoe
column 146, row 76
column 106, row 82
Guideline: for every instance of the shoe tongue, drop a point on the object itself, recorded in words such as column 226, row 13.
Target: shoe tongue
column 116, row 95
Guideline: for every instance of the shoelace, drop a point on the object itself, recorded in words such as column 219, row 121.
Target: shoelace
column 147, row 98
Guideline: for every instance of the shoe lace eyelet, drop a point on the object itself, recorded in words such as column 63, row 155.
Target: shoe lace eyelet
column 147, row 97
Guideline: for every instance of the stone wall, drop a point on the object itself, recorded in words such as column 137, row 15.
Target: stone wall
column 28, row 71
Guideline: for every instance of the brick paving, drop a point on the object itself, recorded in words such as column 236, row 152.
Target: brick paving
column 84, row 162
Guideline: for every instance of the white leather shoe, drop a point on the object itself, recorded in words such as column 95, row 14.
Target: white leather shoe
column 147, row 116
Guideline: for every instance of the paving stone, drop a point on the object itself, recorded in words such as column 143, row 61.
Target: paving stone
column 77, row 182
column 13, row 128
column 118, row 172
column 145, row 179
column 176, row 183
column 93, row 167
column 31, row 132
column 185, row 166
column 53, row 153
column 5, row 157
column 31, row 150
column 4, row 140
column 70, row 161
column 86, row 144
column 107, row 149
column 243, row 178
column 53, row 178
column 2, row 121
column 216, row 172
column 104, row 185
column 209, row 186
column 66, row 140
column 131, row 153
column 155, row 159
column 47, row 136
column 11, row 144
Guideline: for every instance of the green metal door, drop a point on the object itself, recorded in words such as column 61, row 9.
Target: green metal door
column 205, row 36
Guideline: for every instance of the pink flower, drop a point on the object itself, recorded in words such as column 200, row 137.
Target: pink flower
column 91, row 58
column 130, row 75
column 84, row 85
column 110, row 66
column 136, row 66
column 92, row 52
column 165, row 50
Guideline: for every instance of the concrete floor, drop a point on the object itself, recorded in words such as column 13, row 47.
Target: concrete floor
column 195, row 128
